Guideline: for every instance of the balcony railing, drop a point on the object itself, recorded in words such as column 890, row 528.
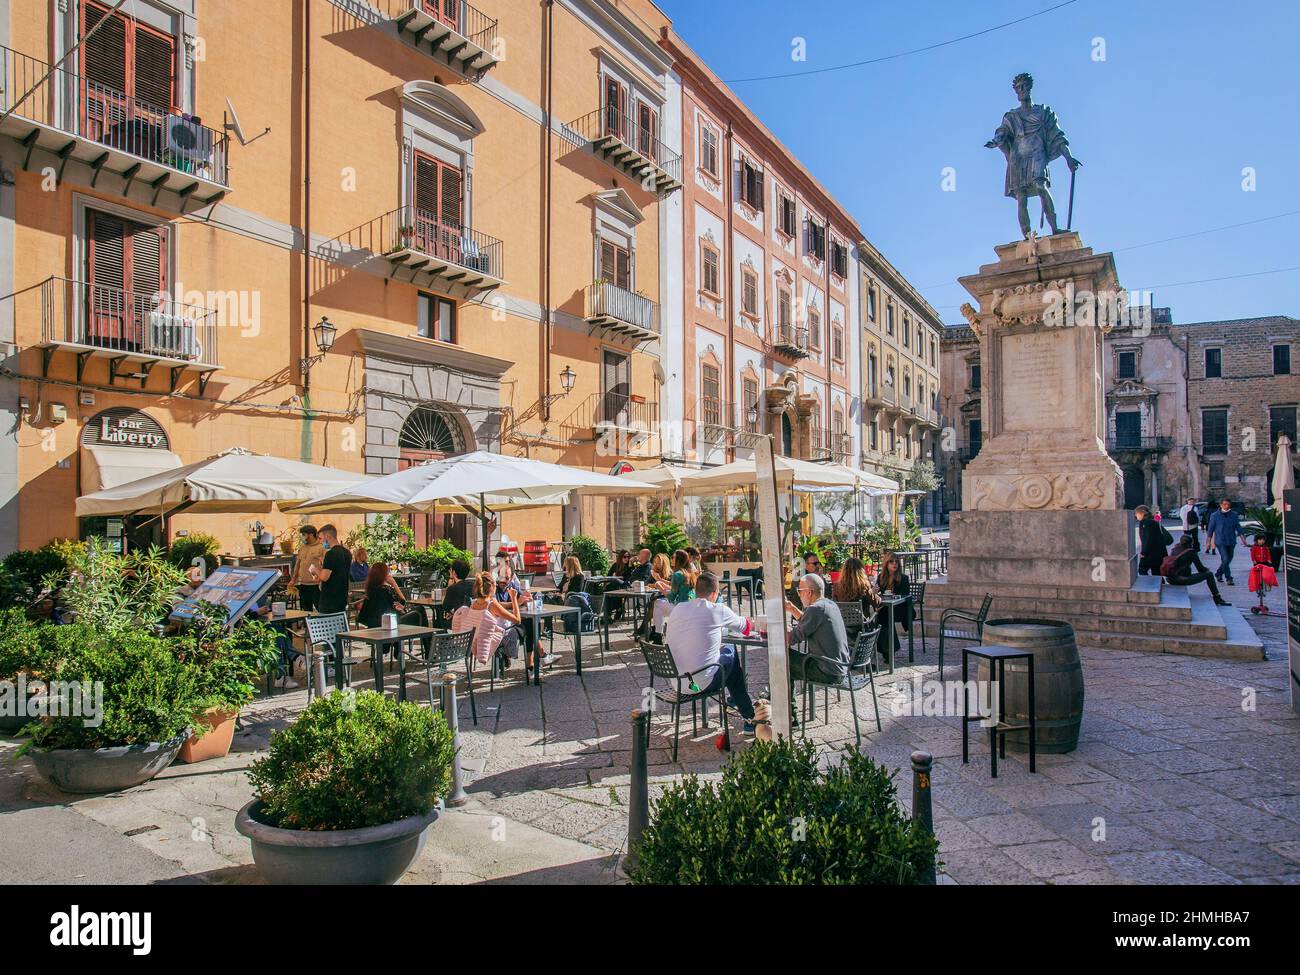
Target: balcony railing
column 621, row 311
column 110, row 130
column 455, row 32
column 1122, row 442
column 452, row 255
column 125, row 326
column 630, row 146
column 790, row 341
column 889, row 394
column 631, row 421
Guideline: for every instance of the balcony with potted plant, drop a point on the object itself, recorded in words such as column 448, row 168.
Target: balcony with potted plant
column 447, row 257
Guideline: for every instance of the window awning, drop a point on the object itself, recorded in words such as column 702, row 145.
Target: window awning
column 107, row 467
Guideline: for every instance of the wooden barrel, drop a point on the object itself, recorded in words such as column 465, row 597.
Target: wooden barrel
column 1058, row 681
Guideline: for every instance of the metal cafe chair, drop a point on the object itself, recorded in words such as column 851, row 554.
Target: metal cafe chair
column 324, row 631
column 917, row 592
column 660, row 661
column 858, row 673
column 951, row 626
column 445, row 649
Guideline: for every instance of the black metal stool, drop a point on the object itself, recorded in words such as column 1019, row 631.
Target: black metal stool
column 997, row 657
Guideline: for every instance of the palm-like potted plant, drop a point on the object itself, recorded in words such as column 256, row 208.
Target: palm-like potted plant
column 348, row 791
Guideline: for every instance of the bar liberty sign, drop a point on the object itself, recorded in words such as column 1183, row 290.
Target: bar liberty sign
column 127, row 431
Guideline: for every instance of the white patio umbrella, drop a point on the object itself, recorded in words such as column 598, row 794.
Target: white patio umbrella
column 479, row 476
column 799, row 475
column 233, row 481
column 1283, row 473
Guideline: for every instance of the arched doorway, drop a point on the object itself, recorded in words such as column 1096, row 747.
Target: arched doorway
column 787, row 436
column 1134, row 487
column 429, row 433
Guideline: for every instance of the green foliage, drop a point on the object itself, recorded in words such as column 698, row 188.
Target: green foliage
column 834, row 555
column 911, row 534
column 1270, row 522
column 20, row 646
column 23, row 574
column 119, row 592
column 923, row 477
column 150, row 693
column 353, row 760
column 437, row 557
column 835, row 506
column 387, row 539
column 231, row 662
column 196, row 545
column 774, row 819
column 661, row 533
column 808, row 545
column 592, row 555
column 878, row 539
column 706, row 527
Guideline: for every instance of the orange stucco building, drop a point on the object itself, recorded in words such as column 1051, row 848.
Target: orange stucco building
column 473, row 199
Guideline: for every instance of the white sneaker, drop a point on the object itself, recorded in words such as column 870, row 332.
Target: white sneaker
column 549, row 659
column 286, row 683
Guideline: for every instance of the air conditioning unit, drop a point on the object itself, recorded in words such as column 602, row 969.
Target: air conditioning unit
column 173, row 336
column 187, row 138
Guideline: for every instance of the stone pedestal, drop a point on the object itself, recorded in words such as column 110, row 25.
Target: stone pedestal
column 1042, row 500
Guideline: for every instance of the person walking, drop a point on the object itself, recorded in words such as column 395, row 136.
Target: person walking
column 1221, row 534
column 1179, row 564
column 1153, row 542
column 1191, row 520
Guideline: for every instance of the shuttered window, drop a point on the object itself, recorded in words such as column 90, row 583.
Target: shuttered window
column 647, row 129
column 788, row 219
column 129, row 57
column 815, row 328
column 710, row 393
column 749, row 293
column 708, row 149
column 783, row 308
column 751, row 401
column 616, row 265
column 751, row 185
column 126, row 267
column 709, row 260
column 616, row 109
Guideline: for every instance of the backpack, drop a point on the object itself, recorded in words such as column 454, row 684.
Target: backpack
column 1168, row 565
column 1165, row 536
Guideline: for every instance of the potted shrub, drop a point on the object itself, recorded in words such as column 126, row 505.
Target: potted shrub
column 775, row 818
column 196, row 545
column 20, row 669
column 436, row 557
column 348, row 791
column 591, row 554
column 230, row 664
column 137, row 701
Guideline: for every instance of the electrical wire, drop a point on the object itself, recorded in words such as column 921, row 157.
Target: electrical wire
column 900, row 54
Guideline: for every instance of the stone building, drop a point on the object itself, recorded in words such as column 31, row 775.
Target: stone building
column 1242, row 393
column 1148, row 427
column 959, row 405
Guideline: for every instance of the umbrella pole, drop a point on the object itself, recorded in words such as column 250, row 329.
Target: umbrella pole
column 483, row 523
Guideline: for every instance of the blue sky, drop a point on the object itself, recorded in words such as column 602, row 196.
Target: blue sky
column 1191, row 92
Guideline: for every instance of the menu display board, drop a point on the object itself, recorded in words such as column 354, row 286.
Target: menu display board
column 1291, row 561
column 236, row 588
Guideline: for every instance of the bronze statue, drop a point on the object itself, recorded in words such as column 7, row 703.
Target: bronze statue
column 1031, row 138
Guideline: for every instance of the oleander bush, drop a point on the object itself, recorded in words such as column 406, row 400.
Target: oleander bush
column 196, row 545
column 775, row 818
column 592, row 555
column 353, row 760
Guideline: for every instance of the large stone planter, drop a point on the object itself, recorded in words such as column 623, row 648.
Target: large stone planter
column 371, row 855
column 105, row 769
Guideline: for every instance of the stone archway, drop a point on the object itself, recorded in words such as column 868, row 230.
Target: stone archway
column 432, row 431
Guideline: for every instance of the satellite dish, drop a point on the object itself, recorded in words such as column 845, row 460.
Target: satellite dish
column 233, row 125
column 658, row 368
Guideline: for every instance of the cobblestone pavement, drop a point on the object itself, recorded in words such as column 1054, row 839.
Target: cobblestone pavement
column 1174, row 781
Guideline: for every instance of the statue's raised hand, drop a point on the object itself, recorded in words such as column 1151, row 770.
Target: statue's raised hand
column 1072, row 163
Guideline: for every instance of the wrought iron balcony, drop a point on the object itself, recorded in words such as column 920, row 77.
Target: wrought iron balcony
column 629, row 146
column 451, row 31
column 621, row 312
column 452, row 258
column 629, row 422
column 790, row 342
column 1121, row 443
column 134, row 332
column 873, row 395
column 715, row 421
column 74, row 118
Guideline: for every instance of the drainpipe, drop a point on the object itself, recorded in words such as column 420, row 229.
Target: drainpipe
column 729, row 301
column 305, row 441
column 547, row 324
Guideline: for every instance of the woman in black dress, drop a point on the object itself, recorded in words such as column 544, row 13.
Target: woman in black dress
column 892, row 582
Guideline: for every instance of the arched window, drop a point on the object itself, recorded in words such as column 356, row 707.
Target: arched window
column 427, row 430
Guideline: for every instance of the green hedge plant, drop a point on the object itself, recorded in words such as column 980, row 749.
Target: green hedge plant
column 592, row 555
column 353, row 760
column 436, row 557
column 120, row 592
column 776, row 819
column 196, row 545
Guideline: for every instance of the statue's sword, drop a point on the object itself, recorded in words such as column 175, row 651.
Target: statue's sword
column 1069, row 216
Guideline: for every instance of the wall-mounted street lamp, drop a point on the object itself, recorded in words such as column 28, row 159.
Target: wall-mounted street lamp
column 567, row 379
column 753, row 415
column 323, row 334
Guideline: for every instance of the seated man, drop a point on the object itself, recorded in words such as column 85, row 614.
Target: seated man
column 694, row 634
column 1182, row 560
column 461, row 590
column 642, row 570
column 819, row 625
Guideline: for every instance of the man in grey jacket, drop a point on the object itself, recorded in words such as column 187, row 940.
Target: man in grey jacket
column 820, row 625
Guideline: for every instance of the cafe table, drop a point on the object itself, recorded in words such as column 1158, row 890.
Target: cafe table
column 534, row 617
column 379, row 639
column 638, row 598
column 889, row 603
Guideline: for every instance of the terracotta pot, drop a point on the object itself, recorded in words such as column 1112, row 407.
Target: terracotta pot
column 218, row 734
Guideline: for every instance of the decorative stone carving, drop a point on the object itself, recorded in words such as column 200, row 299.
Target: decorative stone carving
column 972, row 318
column 1075, row 491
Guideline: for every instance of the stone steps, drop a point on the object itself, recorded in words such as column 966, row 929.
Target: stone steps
column 1180, row 621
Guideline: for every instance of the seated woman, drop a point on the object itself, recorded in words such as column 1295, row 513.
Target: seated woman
column 573, row 582
column 681, row 586
column 854, row 587
column 509, row 590
column 495, row 623
column 892, row 582
column 1178, row 565
column 622, row 565
column 381, row 596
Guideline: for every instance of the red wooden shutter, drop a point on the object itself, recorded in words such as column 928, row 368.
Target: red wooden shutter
column 449, row 192
column 106, row 273
column 615, row 109
column 607, row 261
column 103, row 55
column 155, row 69
column 623, row 269
column 425, row 195
column 646, row 126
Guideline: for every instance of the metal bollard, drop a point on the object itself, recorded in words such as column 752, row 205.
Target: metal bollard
column 638, row 813
column 922, row 811
column 448, row 696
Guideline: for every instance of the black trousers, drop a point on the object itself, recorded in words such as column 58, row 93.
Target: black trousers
column 308, row 598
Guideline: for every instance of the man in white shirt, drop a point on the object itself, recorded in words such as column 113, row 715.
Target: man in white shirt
column 694, row 634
